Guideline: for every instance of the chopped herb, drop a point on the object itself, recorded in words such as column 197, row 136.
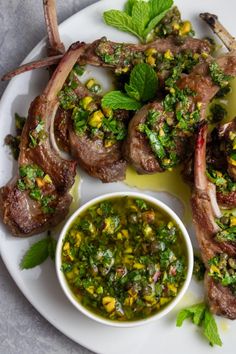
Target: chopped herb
column 199, row 268
column 78, row 70
column 218, row 76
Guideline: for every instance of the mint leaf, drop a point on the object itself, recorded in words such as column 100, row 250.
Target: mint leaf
column 36, row 254
column 152, row 24
column 195, row 312
column 119, row 100
column 201, row 316
column 52, row 248
column 120, row 20
column 143, row 83
column 132, row 92
column 210, row 329
column 159, row 6
column 129, row 6
column 140, row 16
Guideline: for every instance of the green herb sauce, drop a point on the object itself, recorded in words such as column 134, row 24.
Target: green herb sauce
column 124, row 259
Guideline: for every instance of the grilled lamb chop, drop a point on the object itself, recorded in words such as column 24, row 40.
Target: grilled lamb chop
column 221, row 298
column 97, row 158
column 143, row 146
column 37, row 198
column 118, row 56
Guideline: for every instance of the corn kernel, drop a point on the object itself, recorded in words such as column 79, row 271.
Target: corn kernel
column 199, row 105
column 151, row 60
column 66, row 246
column 233, row 221
column 90, row 289
column 70, row 275
column 231, row 161
column 232, row 135
column 109, row 143
column 90, row 83
column 214, row 269
column 107, row 112
column 129, row 250
column 168, row 55
column 176, row 26
column 170, row 224
column 119, row 236
column 109, row 303
column 150, row 51
column 95, row 119
column 47, row 179
column 125, row 233
column 205, row 55
column 185, row 28
column 40, row 182
column 138, row 266
column 164, row 300
column 129, row 301
column 86, row 101
column 125, row 69
column 172, row 288
column 161, row 132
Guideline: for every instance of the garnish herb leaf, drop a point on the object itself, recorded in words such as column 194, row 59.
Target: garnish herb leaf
column 210, row 329
column 159, row 6
column 129, row 6
column 119, row 100
column 142, row 87
column 139, row 17
column 38, row 253
column 201, row 316
column 120, row 20
column 143, row 83
column 195, row 312
column 152, row 24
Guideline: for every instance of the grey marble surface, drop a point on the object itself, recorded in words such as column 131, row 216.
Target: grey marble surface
column 22, row 329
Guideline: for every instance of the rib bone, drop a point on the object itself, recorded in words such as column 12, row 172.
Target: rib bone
column 221, row 32
column 55, row 45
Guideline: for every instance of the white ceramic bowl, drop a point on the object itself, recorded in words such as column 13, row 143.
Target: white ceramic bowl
column 170, row 305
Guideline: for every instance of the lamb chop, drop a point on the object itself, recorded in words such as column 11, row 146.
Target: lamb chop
column 218, row 253
column 94, row 134
column 121, row 57
column 37, row 198
column 161, row 134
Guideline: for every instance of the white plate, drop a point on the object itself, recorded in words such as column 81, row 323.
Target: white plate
column 40, row 285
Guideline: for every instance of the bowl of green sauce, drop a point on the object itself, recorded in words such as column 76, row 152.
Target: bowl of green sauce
column 124, row 259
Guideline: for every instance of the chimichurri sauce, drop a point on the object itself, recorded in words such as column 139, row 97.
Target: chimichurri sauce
column 124, row 259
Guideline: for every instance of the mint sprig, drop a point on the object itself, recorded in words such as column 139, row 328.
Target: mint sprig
column 142, row 87
column 139, row 17
column 119, row 100
column 202, row 317
column 143, row 83
column 38, row 253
